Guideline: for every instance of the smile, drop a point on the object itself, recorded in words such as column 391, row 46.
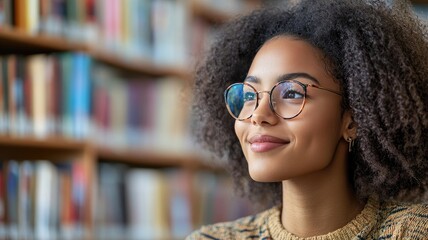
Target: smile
column 265, row 143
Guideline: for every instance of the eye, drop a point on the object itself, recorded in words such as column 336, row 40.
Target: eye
column 291, row 94
column 249, row 96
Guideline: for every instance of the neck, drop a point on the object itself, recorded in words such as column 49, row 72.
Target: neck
column 319, row 203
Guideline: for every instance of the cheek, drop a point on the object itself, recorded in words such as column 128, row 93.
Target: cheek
column 240, row 130
column 317, row 134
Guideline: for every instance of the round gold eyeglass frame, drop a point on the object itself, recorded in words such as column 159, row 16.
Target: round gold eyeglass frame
column 303, row 85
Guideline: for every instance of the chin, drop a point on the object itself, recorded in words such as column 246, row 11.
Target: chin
column 266, row 169
column 259, row 175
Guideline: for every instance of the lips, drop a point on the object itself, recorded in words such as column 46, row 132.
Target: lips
column 265, row 143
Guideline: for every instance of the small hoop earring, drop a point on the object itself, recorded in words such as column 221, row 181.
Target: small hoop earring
column 351, row 143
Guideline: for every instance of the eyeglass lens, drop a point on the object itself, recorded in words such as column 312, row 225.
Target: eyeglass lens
column 286, row 99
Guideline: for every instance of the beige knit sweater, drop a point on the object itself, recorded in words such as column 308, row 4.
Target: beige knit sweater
column 376, row 221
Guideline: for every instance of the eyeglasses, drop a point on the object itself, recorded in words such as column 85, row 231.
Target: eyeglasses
column 287, row 99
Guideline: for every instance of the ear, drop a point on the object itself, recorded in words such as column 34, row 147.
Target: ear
column 349, row 126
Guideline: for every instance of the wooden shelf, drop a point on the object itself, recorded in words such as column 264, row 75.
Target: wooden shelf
column 18, row 42
column 139, row 66
column 216, row 16
column 147, row 158
column 206, row 12
column 34, row 149
column 156, row 159
column 30, row 148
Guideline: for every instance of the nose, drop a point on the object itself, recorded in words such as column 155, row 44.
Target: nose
column 263, row 114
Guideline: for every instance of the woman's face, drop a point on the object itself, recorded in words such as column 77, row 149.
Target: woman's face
column 278, row 149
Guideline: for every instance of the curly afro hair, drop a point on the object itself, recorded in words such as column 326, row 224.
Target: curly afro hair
column 378, row 54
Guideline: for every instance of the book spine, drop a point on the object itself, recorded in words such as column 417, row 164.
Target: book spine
column 12, row 199
column 90, row 21
column 20, row 14
column 5, row 84
column 118, row 113
column 8, row 13
column 65, row 208
column 11, row 62
column 169, row 32
column 78, row 197
column 81, row 82
column 32, row 18
column 21, row 118
column 25, row 211
column 3, row 222
column 56, row 95
column 44, row 201
column 2, row 100
column 28, row 98
column 55, row 20
column 50, row 94
column 67, row 91
column 38, row 82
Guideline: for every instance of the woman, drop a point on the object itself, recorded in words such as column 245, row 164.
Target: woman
column 325, row 117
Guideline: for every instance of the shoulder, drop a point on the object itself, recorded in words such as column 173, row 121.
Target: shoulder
column 407, row 221
column 248, row 227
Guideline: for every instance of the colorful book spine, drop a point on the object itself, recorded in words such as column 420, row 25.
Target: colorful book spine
column 132, row 29
column 5, row 13
column 3, row 96
column 81, row 92
column 42, row 200
column 11, row 77
column 67, row 94
column 25, row 200
column 12, row 199
column 32, row 18
column 38, row 80
column 3, row 222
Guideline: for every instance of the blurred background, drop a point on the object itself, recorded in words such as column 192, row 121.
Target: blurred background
column 95, row 113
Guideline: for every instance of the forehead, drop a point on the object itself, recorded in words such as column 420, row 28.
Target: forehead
column 287, row 55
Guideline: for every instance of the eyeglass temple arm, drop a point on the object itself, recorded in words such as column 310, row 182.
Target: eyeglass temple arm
column 326, row 89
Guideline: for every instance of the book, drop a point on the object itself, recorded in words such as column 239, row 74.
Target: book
column 141, row 40
column 11, row 77
column 80, row 92
column 20, row 14
column 90, row 25
column 32, row 16
column 3, row 102
column 5, row 13
column 38, row 73
column 169, row 118
column 12, row 199
column 169, row 21
column 45, row 200
column 111, row 211
column 180, row 204
column 25, row 200
column 19, row 93
column 146, row 201
column 3, row 208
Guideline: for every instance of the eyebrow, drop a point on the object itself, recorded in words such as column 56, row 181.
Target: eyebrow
column 287, row 76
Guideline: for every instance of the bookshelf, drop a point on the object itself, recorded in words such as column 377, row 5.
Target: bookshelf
column 18, row 42
column 32, row 148
column 217, row 13
column 83, row 157
column 202, row 10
